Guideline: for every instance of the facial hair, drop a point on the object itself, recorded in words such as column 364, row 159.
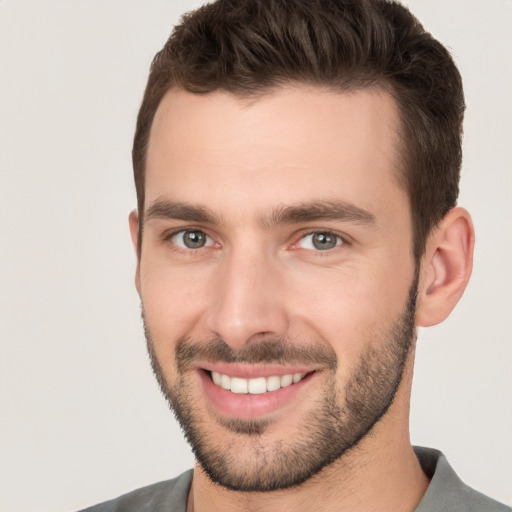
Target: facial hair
column 339, row 420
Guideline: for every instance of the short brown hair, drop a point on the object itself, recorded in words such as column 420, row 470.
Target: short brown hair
column 250, row 47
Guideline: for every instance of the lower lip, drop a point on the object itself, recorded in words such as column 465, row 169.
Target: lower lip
column 235, row 405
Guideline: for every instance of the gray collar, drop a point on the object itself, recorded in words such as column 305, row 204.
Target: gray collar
column 446, row 492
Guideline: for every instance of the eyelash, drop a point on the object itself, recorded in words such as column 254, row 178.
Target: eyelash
column 341, row 240
column 170, row 235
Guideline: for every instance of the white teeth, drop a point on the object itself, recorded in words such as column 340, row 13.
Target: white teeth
column 225, row 382
column 257, row 385
column 238, row 385
column 297, row 377
column 273, row 383
column 286, row 380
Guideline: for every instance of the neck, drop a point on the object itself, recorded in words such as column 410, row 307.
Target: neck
column 380, row 474
column 387, row 482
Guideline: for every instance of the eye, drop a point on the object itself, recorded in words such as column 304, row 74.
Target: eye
column 320, row 241
column 191, row 239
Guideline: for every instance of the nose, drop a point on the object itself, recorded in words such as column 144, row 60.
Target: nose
column 248, row 301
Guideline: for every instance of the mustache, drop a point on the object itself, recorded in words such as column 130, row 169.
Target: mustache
column 279, row 351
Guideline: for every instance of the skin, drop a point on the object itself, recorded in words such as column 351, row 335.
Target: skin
column 256, row 280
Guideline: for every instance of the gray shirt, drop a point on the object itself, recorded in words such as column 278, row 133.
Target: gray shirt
column 446, row 492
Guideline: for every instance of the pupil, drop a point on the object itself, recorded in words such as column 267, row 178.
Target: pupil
column 323, row 241
column 194, row 239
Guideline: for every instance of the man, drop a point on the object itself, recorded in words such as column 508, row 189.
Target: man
column 297, row 167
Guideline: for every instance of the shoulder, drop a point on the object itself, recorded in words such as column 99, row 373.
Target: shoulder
column 446, row 492
column 168, row 496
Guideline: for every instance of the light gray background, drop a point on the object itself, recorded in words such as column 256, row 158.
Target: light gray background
column 81, row 418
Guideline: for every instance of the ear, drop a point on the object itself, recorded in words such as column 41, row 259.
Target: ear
column 445, row 267
column 133, row 220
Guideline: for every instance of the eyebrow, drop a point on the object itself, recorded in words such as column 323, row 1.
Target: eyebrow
column 165, row 209
column 292, row 214
column 318, row 210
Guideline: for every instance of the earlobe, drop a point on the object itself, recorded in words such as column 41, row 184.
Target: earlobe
column 133, row 220
column 445, row 267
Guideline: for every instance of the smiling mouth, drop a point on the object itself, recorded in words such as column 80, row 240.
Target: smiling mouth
column 255, row 386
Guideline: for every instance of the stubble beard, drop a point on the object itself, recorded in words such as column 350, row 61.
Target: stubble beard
column 332, row 428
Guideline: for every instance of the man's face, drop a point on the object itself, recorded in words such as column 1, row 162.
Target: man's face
column 276, row 276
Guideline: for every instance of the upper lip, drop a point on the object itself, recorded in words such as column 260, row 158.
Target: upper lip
column 251, row 371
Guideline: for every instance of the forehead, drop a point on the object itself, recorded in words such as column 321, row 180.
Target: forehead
column 288, row 145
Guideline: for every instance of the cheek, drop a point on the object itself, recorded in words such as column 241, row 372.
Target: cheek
column 349, row 310
column 172, row 299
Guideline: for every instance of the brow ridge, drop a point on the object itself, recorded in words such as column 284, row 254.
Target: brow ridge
column 168, row 209
column 318, row 210
column 334, row 210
